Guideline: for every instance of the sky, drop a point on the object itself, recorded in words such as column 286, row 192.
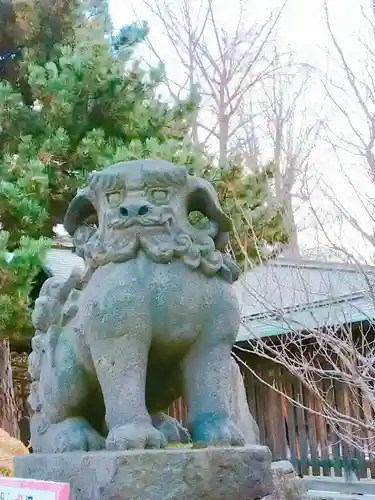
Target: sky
column 302, row 28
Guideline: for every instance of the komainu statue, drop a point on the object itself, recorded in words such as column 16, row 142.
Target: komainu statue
column 153, row 317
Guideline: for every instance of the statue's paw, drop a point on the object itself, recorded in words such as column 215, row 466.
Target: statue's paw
column 74, row 434
column 135, row 436
column 173, row 431
column 219, row 432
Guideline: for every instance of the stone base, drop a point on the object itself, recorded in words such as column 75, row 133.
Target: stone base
column 287, row 485
column 179, row 473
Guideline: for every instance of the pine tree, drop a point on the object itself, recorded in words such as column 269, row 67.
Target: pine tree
column 258, row 232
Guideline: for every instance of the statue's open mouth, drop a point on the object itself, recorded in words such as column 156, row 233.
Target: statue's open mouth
column 141, row 222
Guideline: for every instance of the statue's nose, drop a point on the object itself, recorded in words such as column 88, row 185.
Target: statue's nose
column 134, row 210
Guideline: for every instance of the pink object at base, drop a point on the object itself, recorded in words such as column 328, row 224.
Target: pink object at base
column 29, row 489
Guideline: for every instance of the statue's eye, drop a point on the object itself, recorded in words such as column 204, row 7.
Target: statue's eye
column 159, row 195
column 114, row 198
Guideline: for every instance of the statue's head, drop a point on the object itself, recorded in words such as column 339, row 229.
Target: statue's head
column 145, row 205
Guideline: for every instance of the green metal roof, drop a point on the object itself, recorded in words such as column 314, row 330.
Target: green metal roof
column 286, row 296
column 352, row 310
column 61, row 261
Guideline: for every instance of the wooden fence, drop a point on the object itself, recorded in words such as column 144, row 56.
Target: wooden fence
column 296, row 434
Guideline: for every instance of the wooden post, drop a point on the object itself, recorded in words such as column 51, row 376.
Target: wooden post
column 8, row 405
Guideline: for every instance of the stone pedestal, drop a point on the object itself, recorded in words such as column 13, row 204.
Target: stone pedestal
column 173, row 474
column 286, row 484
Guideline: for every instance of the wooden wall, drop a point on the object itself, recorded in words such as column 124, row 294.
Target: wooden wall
column 296, row 434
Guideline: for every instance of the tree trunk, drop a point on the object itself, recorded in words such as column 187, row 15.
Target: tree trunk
column 292, row 249
column 8, row 405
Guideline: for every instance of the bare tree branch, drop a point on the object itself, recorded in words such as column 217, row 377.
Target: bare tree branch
column 226, row 66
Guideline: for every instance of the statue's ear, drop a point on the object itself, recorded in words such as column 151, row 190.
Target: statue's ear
column 202, row 198
column 79, row 210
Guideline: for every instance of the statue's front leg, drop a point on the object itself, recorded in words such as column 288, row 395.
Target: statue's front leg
column 120, row 355
column 206, row 370
column 206, row 380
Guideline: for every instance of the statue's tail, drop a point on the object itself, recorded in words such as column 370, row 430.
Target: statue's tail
column 239, row 406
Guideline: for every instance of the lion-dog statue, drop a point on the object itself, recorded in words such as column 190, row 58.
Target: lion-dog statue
column 152, row 317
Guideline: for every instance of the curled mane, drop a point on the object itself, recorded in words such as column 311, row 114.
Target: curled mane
column 197, row 253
